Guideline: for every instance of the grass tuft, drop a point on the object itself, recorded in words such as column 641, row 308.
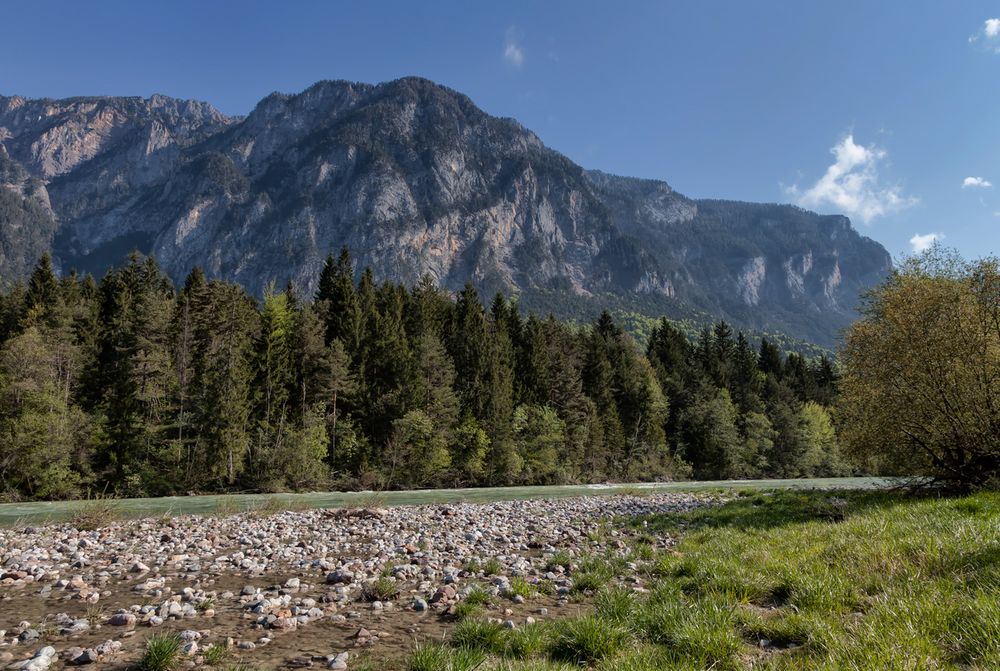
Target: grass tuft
column 437, row 657
column 586, row 640
column 477, row 596
column 492, row 566
column 97, row 513
column 464, row 611
column 559, row 558
column 380, row 589
column 489, row 637
column 615, row 605
column 521, row 587
column 162, row 653
column 215, row 654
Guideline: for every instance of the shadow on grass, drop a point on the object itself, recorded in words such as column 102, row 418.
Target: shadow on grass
column 761, row 510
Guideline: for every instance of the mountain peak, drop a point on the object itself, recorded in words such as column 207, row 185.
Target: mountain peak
column 415, row 179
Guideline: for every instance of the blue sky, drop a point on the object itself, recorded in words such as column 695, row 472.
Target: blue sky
column 885, row 111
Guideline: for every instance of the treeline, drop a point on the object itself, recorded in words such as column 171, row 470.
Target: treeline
column 132, row 387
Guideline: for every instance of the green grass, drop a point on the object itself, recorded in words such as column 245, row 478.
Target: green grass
column 492, row 566
column 615, row 605
column 489, row 637
column 527, row 642
column 559, row 558
column 437, row 657
column 594, row 573
column 380, row 589
column 162, row 653
column 215, row 654
column 784, row 580
column 521, row 587
column 477, row 596
column 472, row 604
column 586, row 640
column 463, row 611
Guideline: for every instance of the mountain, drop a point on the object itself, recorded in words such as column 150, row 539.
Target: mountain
column 414, row 179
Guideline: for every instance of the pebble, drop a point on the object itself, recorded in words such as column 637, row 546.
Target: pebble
column 431, row 552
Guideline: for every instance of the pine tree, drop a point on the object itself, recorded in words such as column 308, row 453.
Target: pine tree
column 770, row 360
column 745, row 381
column 42, row 294
column 434, row 384
column 723, row 352
column 310, row 362
column 599, row 384
column 190, row 301
column 340, row 385
column 130, row 382
column 428, row 309
column 387, row 366
column 339, row 303
column 564, row 387
column 273, row 384
column 497, row 389
column 709, row 434
column 783, row 410
column 225, row 328
column 532, row 362
column 466, row 344
column 12, row 305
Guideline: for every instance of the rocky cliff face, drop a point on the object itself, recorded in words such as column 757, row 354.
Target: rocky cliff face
column 415, row 179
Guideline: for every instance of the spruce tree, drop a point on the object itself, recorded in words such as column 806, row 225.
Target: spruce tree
column 467, row 341
column 42, row 294
column 225, row 328
column 273, row 384
column 745, row 381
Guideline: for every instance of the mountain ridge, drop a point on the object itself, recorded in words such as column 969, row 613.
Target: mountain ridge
column 415, row 179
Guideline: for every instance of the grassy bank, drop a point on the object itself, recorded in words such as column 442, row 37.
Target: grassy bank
column 782, row 580
column 37, row 512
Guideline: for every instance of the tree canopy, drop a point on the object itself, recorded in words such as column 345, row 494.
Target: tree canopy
column 921, row 391
column 131, row 386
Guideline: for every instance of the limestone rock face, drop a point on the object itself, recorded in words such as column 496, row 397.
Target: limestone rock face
column 416, row 180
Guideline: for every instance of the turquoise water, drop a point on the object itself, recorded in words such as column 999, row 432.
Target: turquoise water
column 36, row 512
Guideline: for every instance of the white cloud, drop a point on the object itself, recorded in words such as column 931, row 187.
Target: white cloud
column 976, row 183
column 921, row 243
column 513, row 52
column 988, row 36
column 852, row 185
